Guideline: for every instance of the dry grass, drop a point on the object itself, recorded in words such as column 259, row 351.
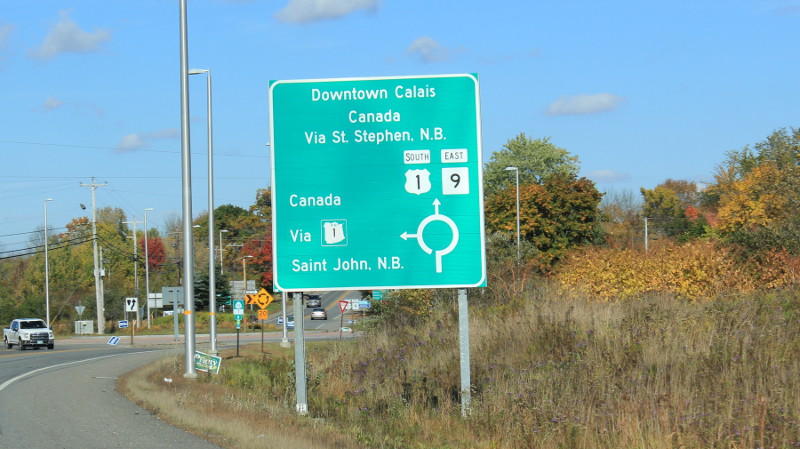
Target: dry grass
column 548, row 372
column 227, row 416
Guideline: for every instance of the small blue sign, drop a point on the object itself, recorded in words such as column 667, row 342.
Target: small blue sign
column 123, row 324
column 113, row 341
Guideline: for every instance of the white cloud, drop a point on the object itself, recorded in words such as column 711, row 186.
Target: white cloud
column 67, row 37
column 584, row 104
column 140, row 141
column 607, row 176
column 428, row 50
column 5, row 31
column 52, row 103
column 307, row 11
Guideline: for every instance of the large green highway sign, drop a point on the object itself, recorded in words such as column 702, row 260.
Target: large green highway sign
column 377, row 183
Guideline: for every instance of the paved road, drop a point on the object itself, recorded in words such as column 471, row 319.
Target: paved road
column 66, row 397
column 76, row 405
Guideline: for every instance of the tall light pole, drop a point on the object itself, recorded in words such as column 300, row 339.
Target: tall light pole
column 46, row 265
column 186, row 198
column 212, row 290
column 147, row 266
column 516, row 172
column 244, row 278
column 221, row 258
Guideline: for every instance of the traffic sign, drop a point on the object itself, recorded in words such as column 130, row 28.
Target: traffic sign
column 263, row 314
column 343, row 305
column 123, row 324
column 238, row 309
column 262, row 299
column 130, row 304
column 397, row 194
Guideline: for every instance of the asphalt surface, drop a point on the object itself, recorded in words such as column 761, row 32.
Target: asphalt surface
column 76, row 405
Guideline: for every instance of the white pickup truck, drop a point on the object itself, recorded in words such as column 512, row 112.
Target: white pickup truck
column 28, row 333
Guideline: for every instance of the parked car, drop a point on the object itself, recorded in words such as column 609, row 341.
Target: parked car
column 346, row 329
column 289, row 321
column 319, row 314
column 313, row 301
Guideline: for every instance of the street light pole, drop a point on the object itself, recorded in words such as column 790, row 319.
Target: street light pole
column 46, row 265
column 212, row 287
column 244, row 278
column 516, row 172
column 221, row 258
column 147, row 266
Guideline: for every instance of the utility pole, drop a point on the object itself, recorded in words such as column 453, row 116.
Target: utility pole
column 136, row 269
column 646, row 237
column 101, row 321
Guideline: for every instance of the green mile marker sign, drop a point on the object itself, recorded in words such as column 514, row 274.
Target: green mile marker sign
column 377, row 183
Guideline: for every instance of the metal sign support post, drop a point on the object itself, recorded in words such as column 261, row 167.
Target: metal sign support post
column 299, row 355
column 463, row 340
column 285, row 339
column 175, row 316
column 341, row 319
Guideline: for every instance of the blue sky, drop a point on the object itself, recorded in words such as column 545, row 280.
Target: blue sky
column 640, row 91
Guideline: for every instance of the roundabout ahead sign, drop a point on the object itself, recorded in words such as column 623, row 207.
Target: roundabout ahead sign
column 377, row 183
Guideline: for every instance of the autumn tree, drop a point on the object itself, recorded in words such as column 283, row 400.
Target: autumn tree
column 262, row 208
column 557, row 214
column 260, row 247
column 758, row 193
column 671, row 209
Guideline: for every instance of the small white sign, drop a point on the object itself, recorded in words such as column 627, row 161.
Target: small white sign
column 130, row 304
column 418, row 181
column 458, row 156
column 334, row 232
column 455, row 181
column 416, row 157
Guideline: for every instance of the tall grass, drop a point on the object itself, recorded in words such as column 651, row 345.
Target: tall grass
column 554, row 372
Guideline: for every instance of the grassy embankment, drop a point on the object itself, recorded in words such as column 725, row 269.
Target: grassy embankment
column 547, row 372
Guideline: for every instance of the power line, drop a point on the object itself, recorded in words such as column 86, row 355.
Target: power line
column 63, row 145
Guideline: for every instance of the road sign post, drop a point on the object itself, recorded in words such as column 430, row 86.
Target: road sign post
column 238, row 314
column 397, row 195
column 396, row 198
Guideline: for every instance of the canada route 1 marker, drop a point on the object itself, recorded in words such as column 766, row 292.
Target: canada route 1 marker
column 377, row 183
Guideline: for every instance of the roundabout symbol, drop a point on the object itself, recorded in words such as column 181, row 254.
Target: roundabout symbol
column 421, row 228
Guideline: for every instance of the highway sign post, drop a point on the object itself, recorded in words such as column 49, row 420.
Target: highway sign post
column 238, row 314
column 377, row 183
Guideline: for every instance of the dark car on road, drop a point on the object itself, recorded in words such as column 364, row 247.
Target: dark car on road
column 313, row 301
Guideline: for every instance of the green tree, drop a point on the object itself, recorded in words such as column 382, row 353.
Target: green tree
column 536, row 160
column 201, row 289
